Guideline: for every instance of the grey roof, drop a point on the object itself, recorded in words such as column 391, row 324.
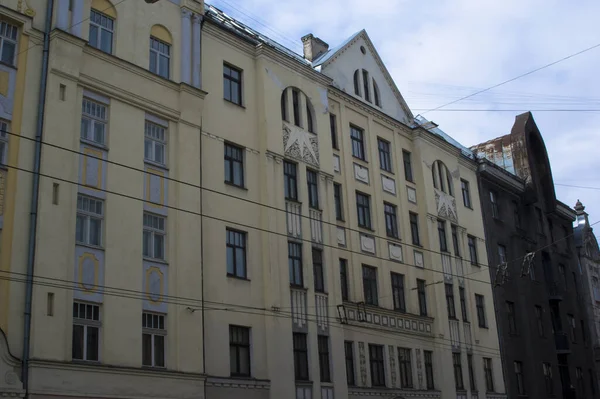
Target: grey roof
column 432, row 127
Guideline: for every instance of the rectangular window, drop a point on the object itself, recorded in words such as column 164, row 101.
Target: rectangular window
column 479, row 303
column 539, row 316
column 519, row 377
column 358, row 143
column 155, row 143
column 154, row 236
column 472, row 380
column 3, row 140
column 312, row 181
column 414, row 228
column 232, row 84
column 344, row 278
column 94, row 118
column 458, row 377
column 370, row 285
column 441, row 225
column 466, row 193
column 385, row 159
column 296, row 107
column 398, row 292
column 349, row 353
column 580, row 382
column 290, row 180
column 239, row 351
column 501, row 253
column 592, row 377
column 517, row 214
column 489, row 374
column 408, row 173
column 572, row 328
column 512, row 317
column 300, row 357
column 153, row 339
column 455, row 243
column 391, row 220
column 295, row 264
column 90, row 216
column 377, row 367
column 333, row 128
column 429, row 369
column 405, row 363
column 325, row 371
column 8, row 43
column 236, row 253
column 473, row 250
column 547, row 367
column 463, row 304
column 337, row 196
column 234, row 165
column 450, row 301
column 363, row 209
column 101, row 31
column 86, row 331
column 422, row 297
column 494, row 205
column 160, row 57
column 317, row 258
column 540, row 220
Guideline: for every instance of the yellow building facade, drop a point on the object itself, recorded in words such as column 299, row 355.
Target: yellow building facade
column 219, row 217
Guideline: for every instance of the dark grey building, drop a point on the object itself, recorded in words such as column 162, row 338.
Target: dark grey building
column 542, row 323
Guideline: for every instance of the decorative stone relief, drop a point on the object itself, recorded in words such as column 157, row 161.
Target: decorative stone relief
column 362, row 363
column 341, row 236
column 419, row 261
column 446, row 205
column 388, row 184
column 395, row 252
column 300, row 144
column 336, row 164
column 412, row 194
column 361, row 173
column 392, row 365
column 367, row 243
column 419, row 368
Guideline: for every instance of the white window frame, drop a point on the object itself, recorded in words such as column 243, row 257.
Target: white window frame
column 4, row 129
column 101, row 28
column 8, row 34
column 87, row 216
column 154, row 229
column 155, row 135
column 153, row 329
column 156, row 52
column 88, row 323
column 97, row 115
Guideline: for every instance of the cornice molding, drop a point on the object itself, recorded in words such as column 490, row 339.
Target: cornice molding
column 492, row 173
column 263, row 50
column 228, row 36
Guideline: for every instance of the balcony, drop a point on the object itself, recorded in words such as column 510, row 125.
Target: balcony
column 368, row 316
column 293, row 213
column 454, row 335
column 554, row 291
column 316, row 225
column 447, row 266
column 322, row 311
column 561, row 341
column 299, row 307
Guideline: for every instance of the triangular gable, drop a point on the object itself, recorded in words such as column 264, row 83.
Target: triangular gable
column 340, row 63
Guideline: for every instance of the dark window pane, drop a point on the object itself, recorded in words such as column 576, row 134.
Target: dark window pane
column 77, row 351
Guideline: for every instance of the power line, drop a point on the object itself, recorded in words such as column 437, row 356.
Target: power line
column 515, row 78
column 574, row 186
column 510, row 110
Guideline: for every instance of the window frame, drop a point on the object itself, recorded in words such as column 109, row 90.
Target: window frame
column 324, row 360
column 459, row 382
column 489, row 374
column 154, row 232
column 539, row 317
column 301, row 365
column 443, row 239
column 455, row 242
column 422, row 297
column 338, row 201
column 4, row 139
column 548, row 378
column 429, row 375
column 88, row 325
column 450, row 303
column 152, row 132
column 414, row 228
column 377, row 365
column 234, row 160
column 480, row 306
column 407, row 161
column 153, row 332
column 349, row 357
column 242, row 347
column 405, row 366
column 95, row 119
column 12, row 37
column 157, row 53
column 344, row 279
column 296, row 113
column 391, row 220
column 502, row 258
column 518, row 368
column 365, row 76
column 100, row 29
column 385, row 155
column 494, row 206
column 242, row 245
column 87, row 216
column 290, row 179
column 398, row 292
column 472, row 244
column 233, row 83
column 333, row 130
column 318, row 270
column 370, row 289
column 465, row 188
column 471, row 370
column 463, row 304
column 312, row 183
column 363, row 210
column 580, row 380
column 512, row 318
column 376, row 94
column 295, row 264
column 357, row 138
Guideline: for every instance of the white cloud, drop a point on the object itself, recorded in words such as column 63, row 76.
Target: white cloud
column 438, row 51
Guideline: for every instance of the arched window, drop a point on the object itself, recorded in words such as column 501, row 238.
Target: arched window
column 376, row 95
column 309, row 118
column 442, row 179
column 365, row 76
column 357, row 82
column 301, row 117
column 160, row 51
column 284, row 106
column 102, row 25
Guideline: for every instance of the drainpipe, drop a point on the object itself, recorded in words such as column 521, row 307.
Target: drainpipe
column 35, row 197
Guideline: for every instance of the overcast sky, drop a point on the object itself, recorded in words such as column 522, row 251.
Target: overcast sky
column 438, row 51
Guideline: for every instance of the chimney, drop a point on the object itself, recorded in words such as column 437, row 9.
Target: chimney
column 313, row 47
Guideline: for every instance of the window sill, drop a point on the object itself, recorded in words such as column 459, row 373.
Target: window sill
column 344, row 222
column 234, row 103
column 484, row 327
column 233, row 276
column 410, row 181
column 295, row 201
column 389, row 172
column 9, row 65
column 157, row 368
column 228, row 183
column 394, row 239
column 368, row 230
column 81, row 244
column 497, row 219
column 154, row 260
column 469, row 207
column 91, row 143
column 298, row 287
column 86, row 362
column 242, row 376
column 156, row 164
column 360, row 160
